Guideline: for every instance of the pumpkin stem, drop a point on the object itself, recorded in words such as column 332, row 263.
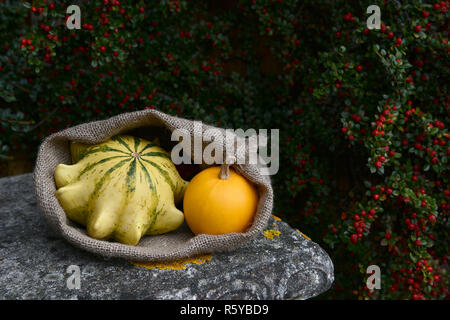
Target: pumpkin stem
column 224, row 173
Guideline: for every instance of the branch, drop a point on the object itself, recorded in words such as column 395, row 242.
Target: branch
column 22, row 88
column 16, row 121
column 29, row 129
column 42, row 121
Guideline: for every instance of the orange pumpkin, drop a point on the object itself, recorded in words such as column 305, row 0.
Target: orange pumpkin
column 218, row 200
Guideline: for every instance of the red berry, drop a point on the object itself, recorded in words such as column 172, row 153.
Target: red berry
column 359, row 68
column 376, row 196
column 417, row 28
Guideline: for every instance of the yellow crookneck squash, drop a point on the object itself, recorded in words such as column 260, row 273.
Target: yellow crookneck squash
column 121, row 189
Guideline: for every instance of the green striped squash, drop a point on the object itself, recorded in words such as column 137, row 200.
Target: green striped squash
column 121, row 189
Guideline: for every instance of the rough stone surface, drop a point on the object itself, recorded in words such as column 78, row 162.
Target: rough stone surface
column 34, row 263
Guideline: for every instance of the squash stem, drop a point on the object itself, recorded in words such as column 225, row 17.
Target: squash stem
column 224, row 173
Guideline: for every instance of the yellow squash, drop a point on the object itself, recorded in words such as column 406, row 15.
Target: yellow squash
column 218, row 200
column 121, row 189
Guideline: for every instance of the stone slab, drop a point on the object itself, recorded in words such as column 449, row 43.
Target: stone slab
column 34, row 263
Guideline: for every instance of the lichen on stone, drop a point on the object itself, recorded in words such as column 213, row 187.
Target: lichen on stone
column 270, row 233
column 179, row 264
column 276, row 218
column 303, row 234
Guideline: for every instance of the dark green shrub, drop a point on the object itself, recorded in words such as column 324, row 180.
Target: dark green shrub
column 363, row 114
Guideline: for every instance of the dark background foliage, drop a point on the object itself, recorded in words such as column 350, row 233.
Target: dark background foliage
column 363, row 114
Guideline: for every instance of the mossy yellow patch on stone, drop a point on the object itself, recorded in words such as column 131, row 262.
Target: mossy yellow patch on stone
column 179, row 264
column 276, row 218
column 303, row 234
column 270, row 233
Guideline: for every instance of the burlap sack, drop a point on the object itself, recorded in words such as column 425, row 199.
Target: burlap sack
column 180, row 243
